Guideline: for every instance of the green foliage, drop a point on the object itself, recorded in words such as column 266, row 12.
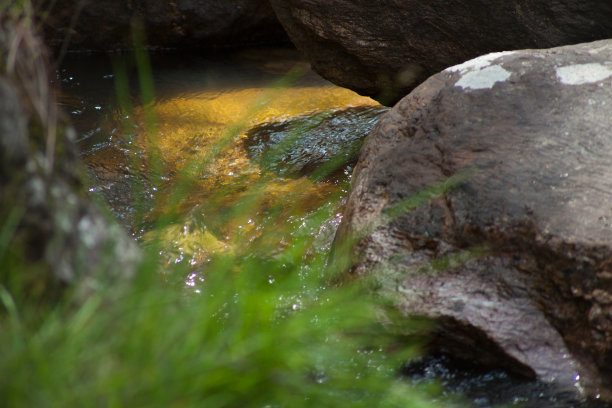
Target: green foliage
column 261, row 332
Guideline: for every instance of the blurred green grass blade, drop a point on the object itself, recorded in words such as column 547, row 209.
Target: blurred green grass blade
column 9, row 228
column 428, row 193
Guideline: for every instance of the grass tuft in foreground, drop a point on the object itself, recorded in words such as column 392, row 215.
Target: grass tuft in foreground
column 261, row 332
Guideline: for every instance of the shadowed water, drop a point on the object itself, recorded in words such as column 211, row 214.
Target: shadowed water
column 471, row 385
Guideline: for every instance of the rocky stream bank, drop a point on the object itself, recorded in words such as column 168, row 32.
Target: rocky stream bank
column 482, row 200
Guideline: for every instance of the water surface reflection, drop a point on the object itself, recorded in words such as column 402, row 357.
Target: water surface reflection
column 208, row 128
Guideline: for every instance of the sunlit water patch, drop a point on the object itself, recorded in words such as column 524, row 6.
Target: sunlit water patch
column 254, row 141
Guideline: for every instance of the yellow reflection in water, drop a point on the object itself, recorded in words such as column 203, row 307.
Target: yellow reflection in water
column 189, row 129
column 228, row 107
column 192, row 122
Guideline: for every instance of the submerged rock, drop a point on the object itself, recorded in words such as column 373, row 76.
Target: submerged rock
column 384, row 49
column 300, row 147
column 483, row 200
column 112, row 177
column 182, row 24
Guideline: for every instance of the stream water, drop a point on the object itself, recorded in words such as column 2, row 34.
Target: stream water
column 251, row 103
column 277, row 131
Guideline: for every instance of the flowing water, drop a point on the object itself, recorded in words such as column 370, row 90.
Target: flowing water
column 253, row 121
column 230, row 121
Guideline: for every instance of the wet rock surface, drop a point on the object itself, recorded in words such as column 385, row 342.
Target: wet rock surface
column 300, row 147
column 384, row 49
column 482, row 200
column 182, row 24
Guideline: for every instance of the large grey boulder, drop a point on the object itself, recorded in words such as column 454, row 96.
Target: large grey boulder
column 182, row 24
column 384, row 49
column 483, row 200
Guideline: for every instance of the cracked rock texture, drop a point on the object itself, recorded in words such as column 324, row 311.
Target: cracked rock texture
column 384, row 49
column 483, row 200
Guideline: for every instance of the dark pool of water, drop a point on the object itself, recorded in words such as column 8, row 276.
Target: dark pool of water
column 471, row 385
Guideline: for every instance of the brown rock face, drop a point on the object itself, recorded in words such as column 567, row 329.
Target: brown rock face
column 483, row 200
column 385, row 48
column 182, row 24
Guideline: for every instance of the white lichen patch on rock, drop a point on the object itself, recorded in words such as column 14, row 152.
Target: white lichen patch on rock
column 478, row 73
column 580, row 74
column 484, row 78
column 478, row 63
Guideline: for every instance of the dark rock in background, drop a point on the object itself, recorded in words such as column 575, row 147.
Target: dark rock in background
column 104, row 25
column 384, row 49
column 483, row 200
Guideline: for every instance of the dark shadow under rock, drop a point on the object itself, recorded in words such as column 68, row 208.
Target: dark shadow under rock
column 106, row 25
column 484, row 387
